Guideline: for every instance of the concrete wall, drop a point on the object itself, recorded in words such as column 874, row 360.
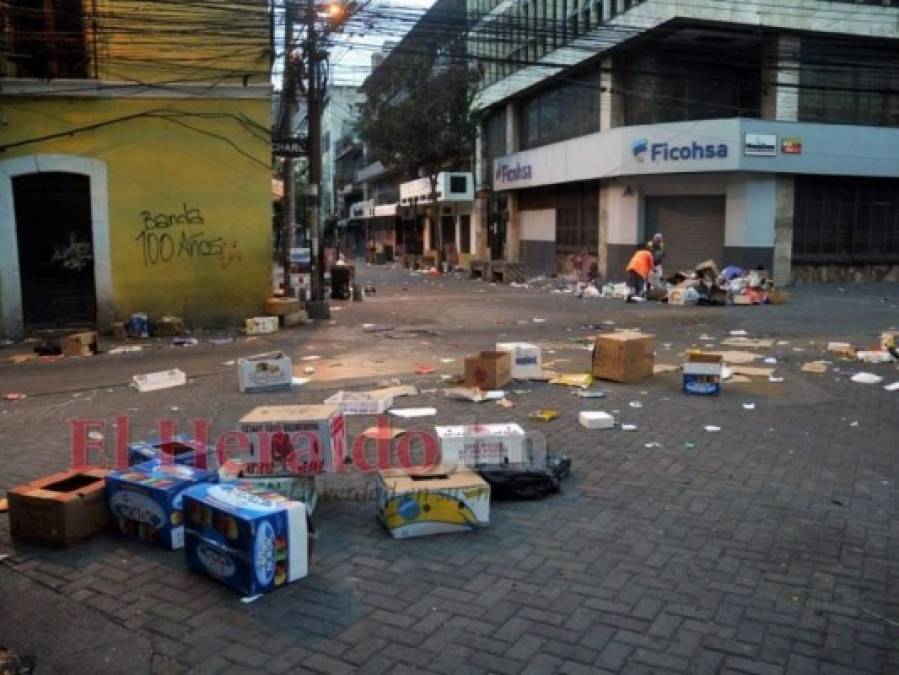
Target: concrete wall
column 538, row 241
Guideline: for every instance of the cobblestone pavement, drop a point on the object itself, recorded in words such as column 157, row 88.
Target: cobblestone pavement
column 770, row 547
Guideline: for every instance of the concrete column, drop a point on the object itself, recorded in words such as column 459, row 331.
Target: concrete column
column 611, row 113
column 607, row 10
column 602, row 241
column 780, row 78
column 483, row 175
column 513, row 230
column 783, row 229
column 512, row 140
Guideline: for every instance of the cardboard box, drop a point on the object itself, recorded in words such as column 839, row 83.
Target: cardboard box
column 180, row 449
column 702, row 373
column 249, row 538
column 488, row 370
column 526, row 359
column 469, row 445
column 145, row 500
column 594, row 419
column 439, row 502
column 304, row 438
column 264, row 372
column 889, row 339
column 60, row 509
column 80, row 344
column 119, row 331
column 777, row 297
column 281, row 306
column 299, row 318
column 261, row 325
column 295, row 488
column 169, row 326
column 623, row 356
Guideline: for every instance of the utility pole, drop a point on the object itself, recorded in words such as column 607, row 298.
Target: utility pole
column 317, row 307
column 288, row 125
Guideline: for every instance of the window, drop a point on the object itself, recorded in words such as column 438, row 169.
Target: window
column 577, row 220
column 843, row 220
column 565, row 110
column 47, row 39
column 457, row 184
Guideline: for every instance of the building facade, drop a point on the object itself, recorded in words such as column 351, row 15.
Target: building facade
column 754, row 134
column 135, row 162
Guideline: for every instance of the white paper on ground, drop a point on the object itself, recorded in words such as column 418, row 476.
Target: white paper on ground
column 413, row 412
column 711, row 428
column 299, row 381
column 738, row 332
column 892, row 387
column 628, row 427
column 749, row 406
column 867, row 378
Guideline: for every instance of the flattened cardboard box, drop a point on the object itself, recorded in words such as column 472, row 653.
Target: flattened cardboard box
column 60, row 509
column 251, row 539
column 442, row 501
column 488, row 370
column 145, row 501
column 304, row 438
column 624, row 356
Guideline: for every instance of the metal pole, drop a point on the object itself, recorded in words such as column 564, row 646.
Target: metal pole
column 288, row 125
column 315, row 158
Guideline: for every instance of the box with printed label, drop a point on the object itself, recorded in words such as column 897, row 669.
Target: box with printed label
column 482, row 444
column 442, row 501
column 145, row 500
column 180, row 449
column 297, row 439
column 264, row 372
column 248, row 537
column 526, row 359
column 702, row 373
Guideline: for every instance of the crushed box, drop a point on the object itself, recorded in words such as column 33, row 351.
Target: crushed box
column 488, row 370
column 261, row 325
column 527, row 362
column 623, row 356
column 303, row 438
column 482, row 444
column 145, row 500
column 248, row 537
column 80, row 344
column 60, row 509
column 441, row 501
column 702, row 373
column 264, row 372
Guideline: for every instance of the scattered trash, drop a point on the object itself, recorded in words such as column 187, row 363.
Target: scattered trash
column 250, row 598
column 395, row 390
column 222, row 340
column 652, row 444
column 299, row 381
column 664, row 368
column 376, row 328
column 360, row 402
column 536, row 320
column 874, row 357
column 424, row 369
column 261, row 325
column 593, row 419
column 474, row 394
column 591, row 393
column 447, row 360
column 628, row 427
column 689, row 446
column 775, row 380
column 738, row 332
column 706, row 338
column 712, row 429
column 95, row 435
column 505, row 403
column 126, row 349
column 526, row 359
column 488, row 369
column 163, row 379
column 747, row 342
column 842, row 348
column 582, row 380
column 751, row 371
column 854, row 424
column 636, row 404
column 413, row 412
column 544, row 415
column 771, row 361
column 229, row 363
column 264, row 372
column 313, row 357
column 185, row 342
column 702, row 373
column 14, row 396
column 749, row 406
column 309, row 370
column 80, row 344
column 866, row 378
column 816, row 367
column 892, row 387
column 383, row 433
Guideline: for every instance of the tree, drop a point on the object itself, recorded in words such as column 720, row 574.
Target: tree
column 417, row 120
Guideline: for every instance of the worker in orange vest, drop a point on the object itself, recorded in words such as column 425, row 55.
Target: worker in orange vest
column 638, row 271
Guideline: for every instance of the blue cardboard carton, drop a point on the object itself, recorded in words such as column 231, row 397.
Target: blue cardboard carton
column 702, row 373
column 145, row 500
column 247, row 536
column 180, row 449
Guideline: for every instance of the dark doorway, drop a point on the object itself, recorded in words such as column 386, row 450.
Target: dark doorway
column 56, row 260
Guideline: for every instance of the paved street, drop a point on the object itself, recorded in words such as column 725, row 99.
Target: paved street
column 770, row 547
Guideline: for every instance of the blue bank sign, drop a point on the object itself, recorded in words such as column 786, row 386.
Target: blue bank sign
column 642, row 150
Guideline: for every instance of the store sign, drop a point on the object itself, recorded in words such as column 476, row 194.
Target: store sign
column 670, row 152
column 791, row 146
column 297, row 146
column 301, row 256
column 760, row 145
column 506, row 173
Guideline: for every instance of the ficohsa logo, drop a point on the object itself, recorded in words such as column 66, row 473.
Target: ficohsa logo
column 639, row 148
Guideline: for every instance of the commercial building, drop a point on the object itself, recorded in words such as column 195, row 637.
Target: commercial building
column 754, row 133
column 135, row 162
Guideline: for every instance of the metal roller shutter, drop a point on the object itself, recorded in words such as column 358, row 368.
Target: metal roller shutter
column 693, row 229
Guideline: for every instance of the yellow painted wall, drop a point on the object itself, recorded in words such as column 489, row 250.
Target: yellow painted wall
column 158, row 167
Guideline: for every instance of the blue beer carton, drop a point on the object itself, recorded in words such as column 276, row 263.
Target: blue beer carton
column 247, row 536
column 145, row 500
column 181, row 449
column 702, row 373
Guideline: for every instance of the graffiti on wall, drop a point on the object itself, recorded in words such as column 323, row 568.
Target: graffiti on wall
column 184, row 235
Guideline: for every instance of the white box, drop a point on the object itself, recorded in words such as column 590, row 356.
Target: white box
column 261, row 325
column 483, row 444
column 159, row 380
column 264, row 372
column 295, row 433
column 360, row 402
column 594, row 419
column 527, row 361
